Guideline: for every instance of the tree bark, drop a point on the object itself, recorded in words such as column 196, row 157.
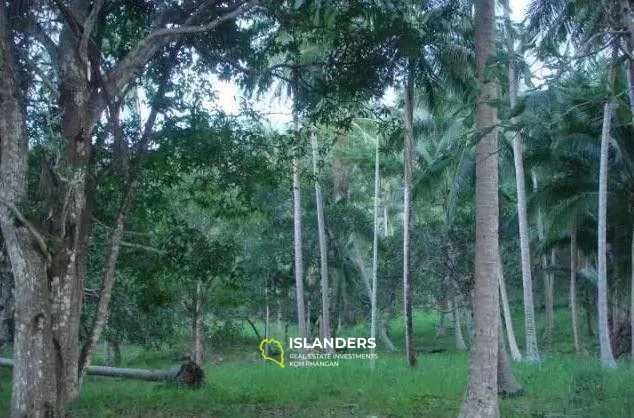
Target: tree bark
column 506, row 311
column 297, row 227
column 407, row 212
column 33, row 348
column 6, row 296
column 482, row 399
column 375, row 251
column 607, row 356
column 325, row 323
column 576, row 333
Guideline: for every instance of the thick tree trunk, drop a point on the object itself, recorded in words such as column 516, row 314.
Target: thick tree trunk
column 607, row 356
column 198, row 354
column 506, row 311
column 32, row 395
column 297, row 233
column 325, row 323
column 375, row 251
column 407, row 212
column 482, row 399
column 576, row 333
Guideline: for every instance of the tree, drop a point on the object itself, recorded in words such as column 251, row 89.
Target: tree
column 86, row 85
column 532, row 352
column 325, row 322
column 481, row 398
column 607, row 357
column 407, row 212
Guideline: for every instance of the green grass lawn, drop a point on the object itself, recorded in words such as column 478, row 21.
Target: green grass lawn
column 240, row 384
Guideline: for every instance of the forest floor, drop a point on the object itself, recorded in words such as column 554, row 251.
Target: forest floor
column 240, row 384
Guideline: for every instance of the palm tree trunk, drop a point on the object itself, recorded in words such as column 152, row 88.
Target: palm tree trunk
column 573, row 287
column 297, row 230
column 602, row 286
column 546, row 274
column 407, row 211
column 532, row 352
column 482, row 399
column 375, row 249
column 325, row 323
column 457, row 328
column 507, row 384
column 506, row 311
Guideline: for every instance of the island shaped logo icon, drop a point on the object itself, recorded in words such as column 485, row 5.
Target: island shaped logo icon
column 273, row 341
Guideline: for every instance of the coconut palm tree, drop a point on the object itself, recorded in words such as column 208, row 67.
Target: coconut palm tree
column 482, row 398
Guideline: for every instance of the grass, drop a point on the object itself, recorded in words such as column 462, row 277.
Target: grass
column 241, row 385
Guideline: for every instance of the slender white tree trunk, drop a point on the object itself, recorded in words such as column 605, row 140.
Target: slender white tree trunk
column 408, row 154
column 573, row 287
column 602, row 268
column 267, row 317
column 198, row 356
column 457, row 328
column 532, row 352
column 325, row 323
column 297, row 233
column 506, row 311
column 375, row 249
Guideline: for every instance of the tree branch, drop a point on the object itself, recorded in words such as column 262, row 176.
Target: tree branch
column 89, row 25
column 133, row 62
column 39, row 239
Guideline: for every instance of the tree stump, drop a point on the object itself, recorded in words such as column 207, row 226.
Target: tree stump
column 191, row 375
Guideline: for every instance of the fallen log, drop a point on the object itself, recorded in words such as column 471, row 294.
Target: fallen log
column 188, row 374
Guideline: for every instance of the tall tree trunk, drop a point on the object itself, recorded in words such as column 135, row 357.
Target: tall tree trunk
column 198, row 352
column 507, row 384
column 546, row 273
column 607, row 356
column 380, row 322
column 632, row 296
column 407, row 212
column 506, row 311
column 267, row 317
column 278, row 321
column 297, row 228
column 549, row 291
column 33, row 348
column 129, row 194
column 532, row 352
column 482, row 399
column 457, row 328
column 576, row 333
column 375, row 250
column 325, row 323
